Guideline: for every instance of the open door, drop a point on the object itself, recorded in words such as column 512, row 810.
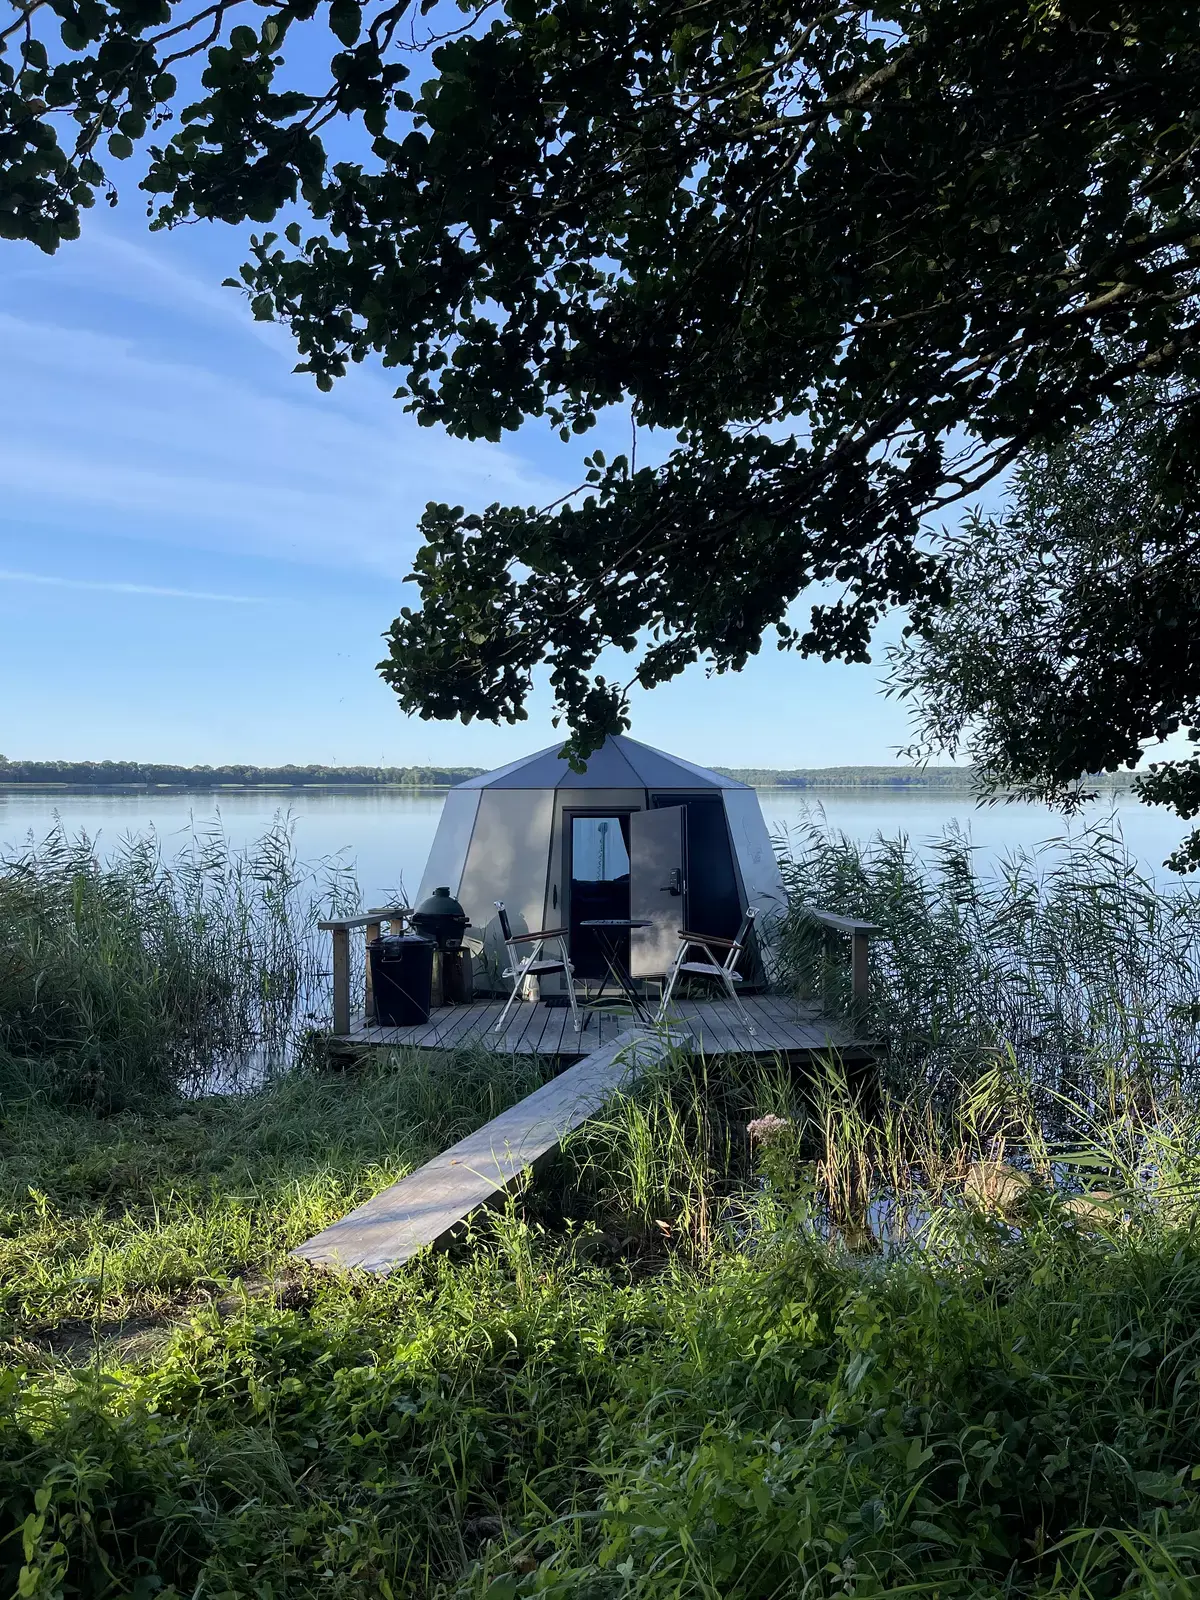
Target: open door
column 657, row 888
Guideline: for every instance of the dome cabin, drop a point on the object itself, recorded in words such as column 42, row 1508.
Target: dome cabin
column 639, row 835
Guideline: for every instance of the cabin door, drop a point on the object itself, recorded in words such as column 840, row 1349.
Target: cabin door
column 657, row 888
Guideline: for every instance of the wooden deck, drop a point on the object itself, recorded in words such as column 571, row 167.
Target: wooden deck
column 782, row 1026
column 424, row 1208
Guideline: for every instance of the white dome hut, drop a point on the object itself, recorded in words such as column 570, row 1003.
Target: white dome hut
column 639, row 835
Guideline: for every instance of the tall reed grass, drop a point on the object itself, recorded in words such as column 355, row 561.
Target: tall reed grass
column 146, row 972
column 1070, row 961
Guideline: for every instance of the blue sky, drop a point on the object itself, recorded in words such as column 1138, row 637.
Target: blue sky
column 199, row 552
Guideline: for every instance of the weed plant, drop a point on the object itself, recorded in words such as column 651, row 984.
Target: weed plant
column 1002, row 1403
column 127, row 977
column 1069, row 961
column 756, row 1334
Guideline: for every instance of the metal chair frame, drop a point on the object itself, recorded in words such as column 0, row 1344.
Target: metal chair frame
column 532, row 966
column 723, row 971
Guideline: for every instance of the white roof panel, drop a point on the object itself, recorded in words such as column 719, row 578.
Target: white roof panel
column 620, row 763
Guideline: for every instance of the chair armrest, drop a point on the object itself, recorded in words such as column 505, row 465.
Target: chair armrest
column 546, row 933
column 706, row 938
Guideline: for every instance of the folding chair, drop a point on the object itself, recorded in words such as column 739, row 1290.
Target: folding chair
column 532, row 966
column 723, row 971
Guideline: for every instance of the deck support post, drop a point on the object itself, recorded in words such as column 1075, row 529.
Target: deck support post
column 860, row 980
column 341, row 980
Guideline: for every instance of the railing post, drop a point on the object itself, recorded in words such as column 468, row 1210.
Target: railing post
column 341, row 981
column 372, row 932
column 860, row 945
column 861, row 933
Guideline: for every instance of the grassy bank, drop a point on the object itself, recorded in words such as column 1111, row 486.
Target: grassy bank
column 697, row 1383
column 749, row 1336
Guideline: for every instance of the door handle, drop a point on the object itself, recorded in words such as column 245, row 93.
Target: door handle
column 674, row 884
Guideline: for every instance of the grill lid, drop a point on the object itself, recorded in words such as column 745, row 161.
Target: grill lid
column 441, row 917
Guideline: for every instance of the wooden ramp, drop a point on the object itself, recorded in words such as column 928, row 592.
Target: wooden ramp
column 422, row 1209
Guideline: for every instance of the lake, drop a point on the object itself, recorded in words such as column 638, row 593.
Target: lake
column 386, row 833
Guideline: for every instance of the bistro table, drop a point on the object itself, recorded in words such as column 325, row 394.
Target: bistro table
column 608, row 932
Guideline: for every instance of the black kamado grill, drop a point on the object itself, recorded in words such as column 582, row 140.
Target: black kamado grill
column 442, row 921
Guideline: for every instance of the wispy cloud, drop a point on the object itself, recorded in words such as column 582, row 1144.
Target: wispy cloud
column 97, row 430
column 142, row 400
column 155, row 590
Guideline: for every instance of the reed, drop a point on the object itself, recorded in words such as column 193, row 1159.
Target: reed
column 1069, row 961
column 140, row 973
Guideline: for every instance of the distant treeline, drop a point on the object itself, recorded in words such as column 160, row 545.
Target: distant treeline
column 151, row 774
column 154, row 774
column 939, row 780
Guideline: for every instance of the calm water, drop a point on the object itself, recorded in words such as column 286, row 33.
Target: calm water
column 386, row 835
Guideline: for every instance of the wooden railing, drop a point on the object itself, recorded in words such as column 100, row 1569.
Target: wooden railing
column 340, row 927
column 861, row 934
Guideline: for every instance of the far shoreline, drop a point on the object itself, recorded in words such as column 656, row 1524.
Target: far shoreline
column 1105, row 783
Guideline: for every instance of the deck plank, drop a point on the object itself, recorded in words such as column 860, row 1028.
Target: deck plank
column 779, row 1029
column 422, row 1209
column 451, row 1031
column 782, row 1025
column 723, row 1028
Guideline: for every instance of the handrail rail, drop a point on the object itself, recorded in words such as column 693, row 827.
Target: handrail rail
column 833, row 919
column 364, row 920
column 340, row 927
column 861, row 934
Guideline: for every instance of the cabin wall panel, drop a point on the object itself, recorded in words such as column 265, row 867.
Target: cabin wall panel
column 510, row 846
column 451, row 843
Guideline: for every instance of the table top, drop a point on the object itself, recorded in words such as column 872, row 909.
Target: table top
column 614, row 922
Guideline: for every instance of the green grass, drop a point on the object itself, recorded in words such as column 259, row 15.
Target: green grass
column 655, row 1396
column 883, row 1347
column 135, row 1217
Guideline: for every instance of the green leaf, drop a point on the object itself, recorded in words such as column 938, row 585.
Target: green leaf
column 121, row 146
column 345, row 20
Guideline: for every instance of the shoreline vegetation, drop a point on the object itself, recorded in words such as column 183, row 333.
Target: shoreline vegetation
column 751, row 1333
column 140, row 775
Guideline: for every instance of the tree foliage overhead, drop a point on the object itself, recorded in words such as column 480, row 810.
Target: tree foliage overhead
column 849, row 260
column 1072, row 637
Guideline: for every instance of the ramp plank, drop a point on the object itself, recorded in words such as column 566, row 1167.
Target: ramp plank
column 422, row 1209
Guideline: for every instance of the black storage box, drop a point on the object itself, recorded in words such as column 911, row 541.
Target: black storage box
column 401, row 979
